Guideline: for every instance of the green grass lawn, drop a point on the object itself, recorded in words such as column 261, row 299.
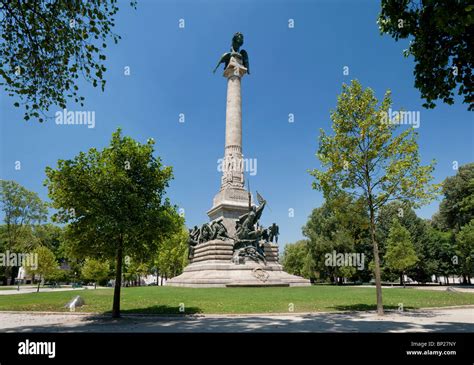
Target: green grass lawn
column 166, row 300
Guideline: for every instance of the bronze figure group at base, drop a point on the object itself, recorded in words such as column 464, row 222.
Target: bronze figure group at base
column 249, row 238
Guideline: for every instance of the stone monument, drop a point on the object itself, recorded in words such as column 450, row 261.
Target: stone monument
column 233, row 249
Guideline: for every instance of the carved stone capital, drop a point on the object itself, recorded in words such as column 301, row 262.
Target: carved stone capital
column 235, row 68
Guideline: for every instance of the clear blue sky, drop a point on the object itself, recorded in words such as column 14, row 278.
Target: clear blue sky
column 297, row 71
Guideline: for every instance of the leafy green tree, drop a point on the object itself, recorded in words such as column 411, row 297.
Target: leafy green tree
column 73, row 273
column 340, row 225
column 50, row 236
column 95, row 270
column 427, row 263
column 47, row 267
column 465, row 251
column 440, row 33
column 457, row 207
column 400, row 254
column 46, row 46
column 113, row 203
column 441, row 246
column 295, row 257
column 142, row 270
column 21, row 209
column 455, row 212
column 347, row 271
column 135, row 270
column 418, row 228
column 173, row 254
column 367, row 158
column 438, row 222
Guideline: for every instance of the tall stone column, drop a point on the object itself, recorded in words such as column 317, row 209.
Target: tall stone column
column 232, row 165
column 232, row 200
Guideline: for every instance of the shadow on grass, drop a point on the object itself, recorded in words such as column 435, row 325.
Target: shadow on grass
column 161, row 310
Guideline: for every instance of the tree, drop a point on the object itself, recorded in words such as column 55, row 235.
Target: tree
column 50, row 236
column 418, row 229
column 465, row 250
column 442, row 250
column 47, row 266
column 134, row 270
column 113, row 203
column 173, row 254
column 21, row 208
column 47, row 45
column 457, row 207
column 440, row 33
column 400, row 254
column 294, row 258
column 95, row 270
column 367, row 159
column 438, row 222
column 337, row 225
column 455, row 212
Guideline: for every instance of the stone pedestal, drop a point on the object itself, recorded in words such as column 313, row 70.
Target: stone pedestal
column 229, row 204
column 212, row 267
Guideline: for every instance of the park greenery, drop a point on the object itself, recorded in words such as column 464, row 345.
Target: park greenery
column 113, row 202
column 166, row 300
column 47, row 46
column 440, row 41
column 23, row 211
column 371, row 160
column 400, row 254
column 443, row 245
column 47, row 266
column 95, row 270
column 114, row 219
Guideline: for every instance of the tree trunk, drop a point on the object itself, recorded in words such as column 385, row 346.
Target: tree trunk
column 401, row 279
column 378, row 280
column 14, row 274
column 118, row 282
column 95, row 284
column 39, row 283
column 7, row 275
